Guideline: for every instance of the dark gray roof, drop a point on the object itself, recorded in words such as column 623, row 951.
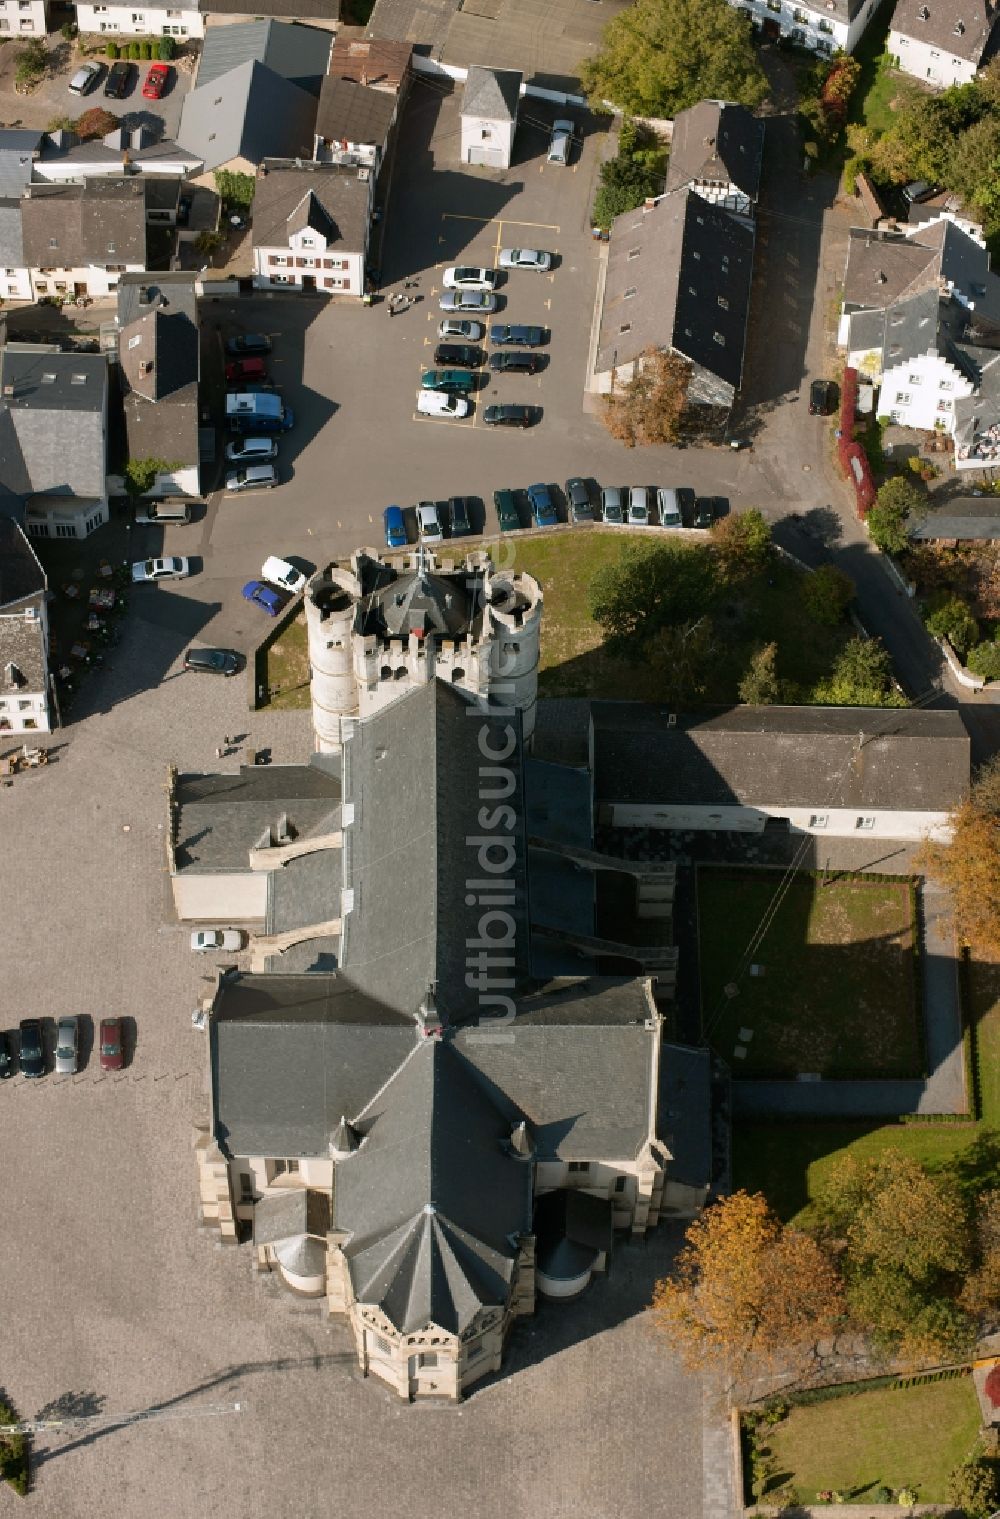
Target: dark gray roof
column 434, row 1199
column 572, row 1229
column 221, row 817
column 967, row 518
column 18, row 150
column 284, row 1215
column 52, row 409
column 135, row 291
column 959, row 27
column 291, row 1054
column 11, row 235
column 21, row 575
column 417, row 22
column 299, row 54
column 684, row 1113
column 284, row 10
column 305, row 892
column 414, row 844
column 679, row 276
column 158, row 350
column 493, row 94
column 353, row 112
column 249, row 112
column 895, row 759
column 328, row 197
column 101, row 221
column 716, row 143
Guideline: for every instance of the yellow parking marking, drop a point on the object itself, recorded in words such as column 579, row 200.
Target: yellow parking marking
column 460, row 216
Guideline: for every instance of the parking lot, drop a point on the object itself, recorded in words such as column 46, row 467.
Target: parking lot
column 51, row 98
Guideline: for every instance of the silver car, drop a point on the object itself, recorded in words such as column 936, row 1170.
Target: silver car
column 454, row 327
column 561, row 142
column 468, row 300
column 66, row 1046
column 525, row 258
column 206, row 940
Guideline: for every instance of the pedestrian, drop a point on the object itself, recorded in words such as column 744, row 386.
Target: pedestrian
column 218, row 753
column 227, row 741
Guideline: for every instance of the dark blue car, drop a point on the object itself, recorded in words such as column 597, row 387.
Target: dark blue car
column 272, row 601
column 395, row 527
column 542, row 509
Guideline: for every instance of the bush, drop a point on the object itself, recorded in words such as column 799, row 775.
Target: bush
column 952, row 618
column 235, row 189
column 111, row 50
column 984, row 660
column 31, row 64
column 145, row 50
column 13, row 1454
column 68, row 31
column 165, row 49
column 973, row 1487
column 134, row 51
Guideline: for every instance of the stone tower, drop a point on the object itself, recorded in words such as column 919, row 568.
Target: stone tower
column 331, row 602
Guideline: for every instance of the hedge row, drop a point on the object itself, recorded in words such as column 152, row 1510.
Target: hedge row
column 853, row 459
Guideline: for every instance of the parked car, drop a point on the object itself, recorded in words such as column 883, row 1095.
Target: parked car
column 437, row 403
column 252, row 450
column 157, row 80
column 560, row 142
column 429, row 521
column 85, row 78
column 32, row 1050
column 458, row 381
column 252, row 477
column 822, row 398
column 578, row 500
column 282, row 574
column 245, row 369
column 173, row 568
column 459, row 521
column 395, row 527
column 685, row 500
column 525, row 258
column 208, row 940
column 515, row 361
column 456, row 327
column 509, row 416
column 6, row 1057
column 213, row 661
column 112, row 1051
column 543, row 511
column 248, row 342
column 720, row 507
column 265, row 596
column 638, row 505
column 503, row 334
column 67, row 1039
column 468, row 300
column 668, row 508
column 119, row 81
column 916, row 191
column 467, row 277
column 702, row 511
column 613, row 505
column 508, row 517
column 462, row 354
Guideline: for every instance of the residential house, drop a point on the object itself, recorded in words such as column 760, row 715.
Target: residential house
column 141, row 21
column 941, row 42
column 24, row 636
column 678, row 278
column 371, row 61
column 124, row 152
column 79, row 238
column 19, row 151
column 158, row 356
column 311, row 224
column 24, row 18
column 237, row 120
column 716, row 150
column 489, row 116
column 825, row 26
column 960, row 519
column 53, row 439
column 921, row 315
column 300, row 54
column 353, row 124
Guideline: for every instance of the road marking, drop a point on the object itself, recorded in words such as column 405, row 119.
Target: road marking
column 461, row 216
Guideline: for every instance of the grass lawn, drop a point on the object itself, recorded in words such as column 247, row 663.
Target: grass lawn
column 837, row 994
column 899, row 1437
column 287, row 667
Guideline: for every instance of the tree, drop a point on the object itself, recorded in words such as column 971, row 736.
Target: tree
column 650, row 407
column 826, row 594
column 981, row 1292
column 760, row 686
column 745, row 1287
column 680, row 658
column 984, row 660
column 97, row 122
column 974, row 171
column 861, row 677
column 626, row 180
column 969, row 865
column 650, row 586
column 742, row 544
column 921, row 142
column 974, row 1487
column 165, row 49
column 31, row 63
column 660, row 56
column 233, row 188
column 889, row 518
column 141, row 473
column 951, row 618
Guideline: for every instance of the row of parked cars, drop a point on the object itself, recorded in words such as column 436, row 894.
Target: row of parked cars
column 30, row 1054
column 614, row 505
column 255, row 414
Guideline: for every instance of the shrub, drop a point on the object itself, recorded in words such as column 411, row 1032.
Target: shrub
column 145, row 50
column 974, row 1488
column 31, row 64
column 984, row 660
column 165, row 49
column 134, row 50
column 883, row 1494
column 952, row 618
column 111, row 50
column 68, row 31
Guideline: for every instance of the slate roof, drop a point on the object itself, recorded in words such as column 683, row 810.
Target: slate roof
column 967, row 518
column 374, row 61
column 716, row 143
column 679, row 275
column 493, row 94
column 21, row 575
column 18, row 150
column 327, row 197
column 407, row 856
column 789, row 756
column 52, row 424
column 959, row 27
column 158, row 350
column 284, row 1215
column 883, row 269
column 249, row 112
column 22, row 640
column 221, row 817
column 299, row 54
column 434, row 1199
column 353, row 112
column 11, row 235
column 684, row 1112
column 101, row 221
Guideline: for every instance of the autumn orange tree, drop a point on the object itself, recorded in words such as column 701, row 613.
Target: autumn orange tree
column 650, row 407
column 746, row 1287
column 969, row 865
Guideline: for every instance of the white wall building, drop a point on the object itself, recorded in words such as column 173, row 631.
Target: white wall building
column 941, row 42
column 139, row 21
column 24, row 636
column 23, row 18
column 489, row 116
column 311, row 224
column 826, row 26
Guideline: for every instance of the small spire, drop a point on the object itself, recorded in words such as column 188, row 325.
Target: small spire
column 345, row 1138
column 521, row 1141
column 429, row 1020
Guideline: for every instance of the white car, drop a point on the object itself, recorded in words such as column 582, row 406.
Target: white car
column 465, row 277
column 638, row 505
column 282, row 574
column 525, row 258
column 429, row 521
column 252, row 450
column 455, row 327
column 204, row 940
column 173, row 568
column 668, row 508
column 438, row 403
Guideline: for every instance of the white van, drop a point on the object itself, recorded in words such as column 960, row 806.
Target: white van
column 561, row 142
column 438, row 403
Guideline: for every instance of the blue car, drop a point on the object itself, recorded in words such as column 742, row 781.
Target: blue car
column 395, row 527
column 542, row 509
column 272, row 601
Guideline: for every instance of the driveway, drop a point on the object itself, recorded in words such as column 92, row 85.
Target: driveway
column 51, row 98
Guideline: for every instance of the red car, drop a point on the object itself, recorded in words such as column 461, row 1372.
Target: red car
column 112, row 1054
column 156, row 81
column 246, row 369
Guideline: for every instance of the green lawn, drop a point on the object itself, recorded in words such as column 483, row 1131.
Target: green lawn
column 287, row 667
column 837, row 993
column 900, row 1437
